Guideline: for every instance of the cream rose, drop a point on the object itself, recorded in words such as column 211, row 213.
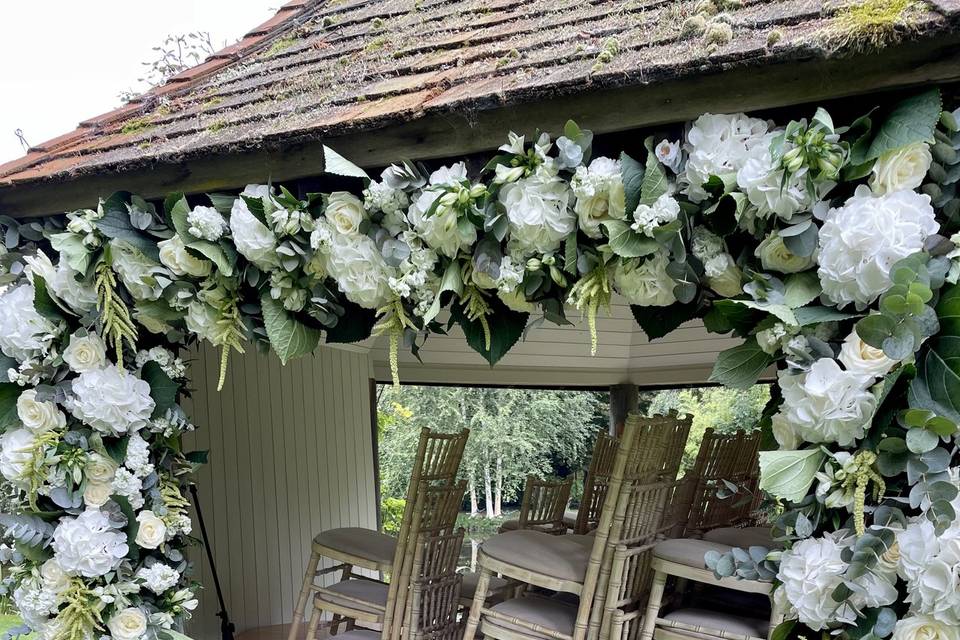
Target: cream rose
column 924, row 628
column 54, row 577
column 599, row 193
column 85, row 353
column 39, row 416
column 15, row 455
column 174, row 256
column 859, row 357
column 901, row 169
column 128, row 624
column 96, row 495
column 100, row 469
column 152, row 532
column 345, row 212
column 775, row 256
column 645, row 283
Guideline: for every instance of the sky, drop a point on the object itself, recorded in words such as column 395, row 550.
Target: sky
column 63, row 61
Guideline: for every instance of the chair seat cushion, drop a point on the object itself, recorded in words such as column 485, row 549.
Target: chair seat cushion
column 357, row 541
column 373, row 594
column 555, row 556
column 468, row 588
column 551, row 613
column 360, row 634
column 510, row 525
column 687, row 551
column 585, row 539
column 743, row 537
column 570, row 518
column 718, row 621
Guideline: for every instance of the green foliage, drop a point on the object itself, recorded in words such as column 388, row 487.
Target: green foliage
column 632, row 173
column 789, row 474
column 937, row 385
column 163, row 390
column 391, row 514
column 288, row 336
column 741, row 366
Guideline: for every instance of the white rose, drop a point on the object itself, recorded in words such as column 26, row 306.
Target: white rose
column 253, row 239
column 96, row 495
column 357, row 266
column 668, row 153
column 85, row 353
column 53, row 575
column 719, row 145
column 144, row 278
column 39, row 416
column 810, row 571
column 206, row 223
column 599, row 194
column 645, row 283
column 152, row 532
column 128, row 624
column 775, row 256
column 538, row 213
column 649, row 217
column 826, row 404
column 901, row 169
column 174, row 256
column 88, row 545
column 111, row 400
column 16, row 455
column 762, row 182
column 345, row 212
column 924, row 628
column 859, row 357
column 201, row 320
column 24, row 333
column 861, row 241
column 99, row 468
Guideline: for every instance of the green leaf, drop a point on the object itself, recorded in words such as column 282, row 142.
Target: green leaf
column 335, row 163
column 452, row 281
column 170, row 634
column 654, row 182
column 44, row 303
column 355, row 325
column 631, row 172
column 214, row 253
column 289, row 337
column 9, row 392
column 782, row 632
column 801, row 289
column 657, row 322
column 506, row 328
column 726, row 316
column 740, row 367
column 921, row 440
column 789, row 474
column 781, row 311
column 912, row 120
column 72, row 249
column 163, row 390
column 937, row 385
column 570, row 254
column 813, row 315
column 627, row 243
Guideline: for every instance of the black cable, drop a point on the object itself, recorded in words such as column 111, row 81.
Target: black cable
column 226, row 627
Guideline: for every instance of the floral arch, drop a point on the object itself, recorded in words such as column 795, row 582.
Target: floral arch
column 830, row 250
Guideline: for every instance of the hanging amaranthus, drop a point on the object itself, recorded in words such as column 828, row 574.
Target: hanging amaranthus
column 589, row 294
column 474, row 302
column 82, row 614
column 115, row 317
column 393, row 321
column 229, row 334
column 862, row 476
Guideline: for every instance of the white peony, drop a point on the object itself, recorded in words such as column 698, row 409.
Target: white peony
column 861, row 241
column 355, row 263
column 206, row 223
column 719, row 145
column 88, row 545
column 775, row 256
column 825, row 404
column 174, row 256
column 538, row 213
column 253, row 239
column 810, row 571
column 762, row 182
column 85, row 353
column 40, row 416
column 924, row 628
column 144, row 278
column 158, row 577
column 111, row 400
column 16, row 455
column 599, row 194
column 345, row 212
column 901, row 169
column 859, row 357
column 24, row 333
column 128, row 624
column 648, row 217
column 645, row 283
column 151, row 532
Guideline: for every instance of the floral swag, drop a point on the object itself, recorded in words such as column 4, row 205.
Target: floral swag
column 833, row 251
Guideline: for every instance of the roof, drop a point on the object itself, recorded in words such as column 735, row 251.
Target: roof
column 336, row 70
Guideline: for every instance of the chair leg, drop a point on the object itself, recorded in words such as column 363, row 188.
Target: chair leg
column 335, row 623
column 483, row 583
column 653, row 605
column 308, row 579
column 314, row 623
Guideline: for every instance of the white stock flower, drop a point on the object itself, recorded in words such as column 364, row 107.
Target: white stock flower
column 128, row 624
column 85, row 353
column 810, row 571
column 158, row 577
column 645, row 283
column 775, row 256
column 253, row 239
column 39, row 416
column 16, row 455
column 924, row 627
column 144, row 278
column 358, row 267
column 138, row 456
column 826, row 404
column 151, row 532
column 861, row 241
column 24, row 333
column 380, row 196
column 129, row 486
column 901, row 169
column 538, row 213
column 206, row 223
column 111, row 400
column 88, row 545
column 599, row 194
column 859, row 357
column 719, row 145
column 648, row 217
column 174, row 256
column 762, row 182
column 345, row 212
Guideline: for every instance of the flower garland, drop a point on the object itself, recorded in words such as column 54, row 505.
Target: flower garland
column 833, row 251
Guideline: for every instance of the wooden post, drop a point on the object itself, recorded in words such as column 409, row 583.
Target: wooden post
column 623, row 400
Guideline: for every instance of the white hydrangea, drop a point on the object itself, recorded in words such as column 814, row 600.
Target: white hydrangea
column 88, row 545
column 645, row 283
column 24, row 333
column 379, row 196
column 511, row 274
column 138, row 456
column 16, row 455
column 34, row 603
column 761, row 180
column 158, row 577
column 861, row 241
column 649, row 217
column 206, row 223
column 253, row 239
column 111, row 400
column 143, row 278
column 719, row 145
column 599, row 194
column 538, row 212
column 824, row 404
column 126, row 484
column 930, row 565
column 356, row 264
column 62, row 282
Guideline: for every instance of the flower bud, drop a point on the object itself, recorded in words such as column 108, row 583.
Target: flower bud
column 477, row 191
column 463, row 197
column 448, row 199
column 558, row 277
column 549, row 260
column 533, row 264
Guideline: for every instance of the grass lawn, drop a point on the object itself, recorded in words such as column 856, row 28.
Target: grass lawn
column 9, row 622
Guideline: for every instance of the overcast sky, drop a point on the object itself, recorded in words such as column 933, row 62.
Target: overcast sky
column 63, row 61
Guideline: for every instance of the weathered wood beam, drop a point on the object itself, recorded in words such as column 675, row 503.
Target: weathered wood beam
column 623, row 400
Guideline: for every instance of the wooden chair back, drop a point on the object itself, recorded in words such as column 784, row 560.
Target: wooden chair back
column 544, row 503
column 595, row 484
column 435, row 588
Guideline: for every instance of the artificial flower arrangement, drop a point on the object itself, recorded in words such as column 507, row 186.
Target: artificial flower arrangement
column 830, row 250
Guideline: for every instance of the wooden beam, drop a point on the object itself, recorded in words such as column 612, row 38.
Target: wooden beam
column 439, row 135
column 623, row 401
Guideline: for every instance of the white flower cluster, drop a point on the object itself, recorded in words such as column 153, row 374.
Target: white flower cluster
column 650, row 217
column 538, row 211
column 599, row 194
column 721, row 272
column 206, row 223
column 24, row 333
column 89, row 545
column 645, row 282
column 169, row 363
column 111, row 400
column 930, row 565
column 720, row 145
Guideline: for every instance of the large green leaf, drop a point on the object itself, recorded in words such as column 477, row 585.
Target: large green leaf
column 163, row 390
column 801, row 289
column 355, row 325
column 740, row 367
column 912, row 120
column 631, row 172
column 214, row 253
column 452, row 281
column 789, row 474
column 335, row 163
column 71, row 248
column 781, row 311
column 937, row 385
column 9, row 393
column 506, row 328
column 657, row 322
column 289, row 337
column 627, row 243
column 655, row 182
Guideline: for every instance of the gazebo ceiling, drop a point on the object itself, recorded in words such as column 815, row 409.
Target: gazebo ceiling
column 444, row 77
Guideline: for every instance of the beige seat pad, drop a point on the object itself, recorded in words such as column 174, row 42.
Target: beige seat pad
column 546, row 612
column 360, row 634
column 718, row 621
column 510, row 525
column 374, row 594
column 357, row 541
column 743, row 537
column 468, row 588
column 687, row 551
column 570, row 518
column 555, row 556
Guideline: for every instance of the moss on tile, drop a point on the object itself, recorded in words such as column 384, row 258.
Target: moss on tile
column 279, row 46
column 137, row 125
column 871, row 24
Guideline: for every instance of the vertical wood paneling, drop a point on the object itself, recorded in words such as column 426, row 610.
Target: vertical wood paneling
column 290, row 455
